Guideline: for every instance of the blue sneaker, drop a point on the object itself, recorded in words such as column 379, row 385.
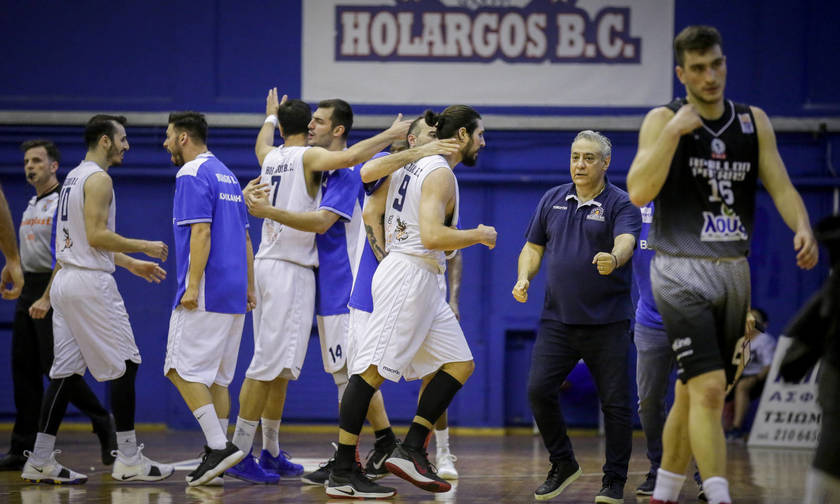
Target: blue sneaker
column 249, row 470
column 280, row 465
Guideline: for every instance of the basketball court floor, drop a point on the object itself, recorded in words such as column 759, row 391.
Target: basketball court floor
column 493, row 468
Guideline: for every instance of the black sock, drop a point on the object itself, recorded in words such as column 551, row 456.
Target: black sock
column 345, row 457
column 55, row 402
column 385, row 438
column 434, row 401
column 123, row 399
column 416, row 437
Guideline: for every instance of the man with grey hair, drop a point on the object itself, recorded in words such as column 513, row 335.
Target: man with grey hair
column 587, row 230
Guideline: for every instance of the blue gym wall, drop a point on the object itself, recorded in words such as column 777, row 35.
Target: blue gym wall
column 221, row 56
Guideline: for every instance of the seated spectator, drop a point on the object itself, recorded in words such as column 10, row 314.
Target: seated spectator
column 749, row 387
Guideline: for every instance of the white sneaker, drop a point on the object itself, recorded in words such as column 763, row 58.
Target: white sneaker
column 445, row 463
column 139, row 468
column 50, row 471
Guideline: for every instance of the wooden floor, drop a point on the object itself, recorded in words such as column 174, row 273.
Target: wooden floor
column 493, row 469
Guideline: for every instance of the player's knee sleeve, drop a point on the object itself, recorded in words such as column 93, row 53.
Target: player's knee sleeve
column 354, row 404
column 437, row 396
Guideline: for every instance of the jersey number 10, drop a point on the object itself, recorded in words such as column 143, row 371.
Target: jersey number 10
column 63, row 203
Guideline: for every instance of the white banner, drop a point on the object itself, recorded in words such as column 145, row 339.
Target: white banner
column 575, row 53
column 788, row 415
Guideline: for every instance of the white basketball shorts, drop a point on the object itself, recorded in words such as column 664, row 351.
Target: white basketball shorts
column 203, row 346
column 412, row 331
column 333, row 331
column 282, row 319
column 90, row 325
column 358, row 325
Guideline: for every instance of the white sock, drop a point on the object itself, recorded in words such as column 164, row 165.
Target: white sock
column 717, row 490
column 44, row 446
column 224, row 423
column 668, row 486
column 442, row 440
column 210, row 426
column 820, row 487
column 271, row 436
column 243, row 436
column 127, row 443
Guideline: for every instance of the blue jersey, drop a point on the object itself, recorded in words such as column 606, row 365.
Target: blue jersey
column 646, row 312
column 206, row 191
column 341, row 193
column 361, row 298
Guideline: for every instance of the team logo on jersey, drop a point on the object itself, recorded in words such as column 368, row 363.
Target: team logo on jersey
column 596, row 214
column 746, row 124
column 401, row 232
column 718, row 149
column 724, row 227
column 68, row 243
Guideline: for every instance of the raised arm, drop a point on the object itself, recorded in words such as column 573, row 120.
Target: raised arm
column 265, row 138
column 774, row 176
column 319, row 159
column 11, row 278
column 373, row 215
column 658, row 139
column 98, row 190
column 530, row 260
column 383, row 166
column 438, row 190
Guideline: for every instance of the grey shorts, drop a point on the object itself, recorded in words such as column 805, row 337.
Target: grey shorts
column 703, row 303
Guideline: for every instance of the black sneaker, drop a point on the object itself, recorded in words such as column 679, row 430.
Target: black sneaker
column 559, row 477
column 647, row 486
column 612, row 490
column 214, row 463
column 413, row 466
column 321, row 475
column 104, row 429
column 12, row 462
column 354, row 484
column 375, row 463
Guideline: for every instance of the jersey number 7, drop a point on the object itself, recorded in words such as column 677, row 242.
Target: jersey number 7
column 400, row 201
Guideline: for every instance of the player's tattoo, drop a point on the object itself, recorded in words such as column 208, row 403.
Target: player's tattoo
column 374, row 243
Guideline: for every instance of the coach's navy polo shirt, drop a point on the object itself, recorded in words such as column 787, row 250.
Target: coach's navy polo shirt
column 572, row 234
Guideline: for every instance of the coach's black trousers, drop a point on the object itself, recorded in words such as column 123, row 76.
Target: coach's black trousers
column 32, row 356
column 604, row 350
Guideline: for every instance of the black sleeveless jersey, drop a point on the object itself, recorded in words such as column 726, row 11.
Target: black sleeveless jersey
column 707, row 205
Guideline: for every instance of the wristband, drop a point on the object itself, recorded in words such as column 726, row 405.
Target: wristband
column 614, row 259
column 272, row 119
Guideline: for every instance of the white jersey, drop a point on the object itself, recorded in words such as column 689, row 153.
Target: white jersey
column 36, row 253
column 71, row 244
column 282, row 168
column 402, row 209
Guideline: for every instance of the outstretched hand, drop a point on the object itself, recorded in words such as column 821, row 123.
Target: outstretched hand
column 147, row 270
